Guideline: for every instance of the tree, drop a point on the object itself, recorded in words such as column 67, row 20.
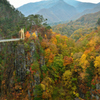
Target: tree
column 27, row 34
column 36, row 20
column 98, row 22
column 97, row 64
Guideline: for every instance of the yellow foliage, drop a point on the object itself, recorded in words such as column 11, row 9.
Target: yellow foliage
column 53, row 40
column 83, row 58
column 67, row 78
column 92, row 42
column 14, row 73
column 74, row 88
column 53, row 33
column 47, row 81
column 58, row 35
column 45, row 36
column 71, row 54
column 50, row 30
column 84, row 62
column 97, row 62
column 92, row 57
column 67, row 74
column 47, row 53
column 43, row 86
column 65, row 38
column 34, row 35
column 47, row 86
column 76, row 94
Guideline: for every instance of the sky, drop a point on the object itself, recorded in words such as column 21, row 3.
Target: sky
column 18, row 3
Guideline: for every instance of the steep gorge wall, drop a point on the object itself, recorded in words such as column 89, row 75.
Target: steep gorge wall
column 16, row 57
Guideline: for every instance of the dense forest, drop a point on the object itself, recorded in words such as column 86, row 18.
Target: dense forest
column 80, row 27
column 11, row 20
column 48, row 65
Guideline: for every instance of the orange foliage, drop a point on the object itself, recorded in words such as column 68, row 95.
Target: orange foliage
column 27, row 34
column 51, row 57
column 67, row 60
column 53, row 40
column 45, row 43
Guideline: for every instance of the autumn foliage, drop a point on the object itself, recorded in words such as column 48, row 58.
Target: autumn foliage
column 65, row 69
column 27, row 34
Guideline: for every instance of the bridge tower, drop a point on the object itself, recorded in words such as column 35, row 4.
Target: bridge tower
column 22, row 33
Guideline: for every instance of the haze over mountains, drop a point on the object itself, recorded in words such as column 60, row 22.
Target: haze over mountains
column 59, row 10
column 83, row 25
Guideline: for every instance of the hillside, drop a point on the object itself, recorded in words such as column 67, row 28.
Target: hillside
column 46, row 65
column 61, row 11
column 51, row 66
column 87, row 11
column 9, row 19
column 33, row 8
column 81, row 26
column 84, row 6
column 89, row 18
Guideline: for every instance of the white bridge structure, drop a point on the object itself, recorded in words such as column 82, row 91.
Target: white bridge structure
column 11, row 40
column 21, row 32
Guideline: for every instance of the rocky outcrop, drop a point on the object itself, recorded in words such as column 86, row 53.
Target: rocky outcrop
column 18, row 58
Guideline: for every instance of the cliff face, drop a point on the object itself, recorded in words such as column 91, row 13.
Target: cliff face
column 17, row 59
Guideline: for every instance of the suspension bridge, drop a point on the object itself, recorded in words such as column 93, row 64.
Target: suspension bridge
column 11, row 40
column 15, row 39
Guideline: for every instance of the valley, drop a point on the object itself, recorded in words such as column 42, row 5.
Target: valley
column 59, row 10
column 57, row 62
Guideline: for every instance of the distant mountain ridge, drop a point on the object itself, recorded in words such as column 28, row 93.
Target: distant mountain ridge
column 83, row 6
column 83, row 25
column 59, row 10
column 88, row 11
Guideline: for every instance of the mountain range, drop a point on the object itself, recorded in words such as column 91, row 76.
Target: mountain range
column 59, row 10
column 84, row 25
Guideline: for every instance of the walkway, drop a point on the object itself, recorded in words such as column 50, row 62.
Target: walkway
column 10, row 40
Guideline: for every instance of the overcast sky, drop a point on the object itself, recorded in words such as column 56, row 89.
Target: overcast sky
column 18, row 3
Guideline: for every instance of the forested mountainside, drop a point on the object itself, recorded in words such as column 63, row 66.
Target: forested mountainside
column 9, row 19
column 50, row 66
column 59, row 10
column 33, row 8
column 83, row 6
column 80, row 27
column 95, row 9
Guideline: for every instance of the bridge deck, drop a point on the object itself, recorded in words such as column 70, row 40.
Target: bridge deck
column 9, row 40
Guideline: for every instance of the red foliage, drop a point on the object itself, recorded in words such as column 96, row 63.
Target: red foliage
column 67, row 60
